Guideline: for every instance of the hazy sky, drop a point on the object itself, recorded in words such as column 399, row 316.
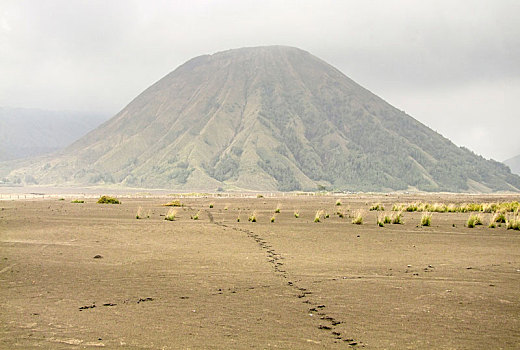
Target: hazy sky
column 453, row 65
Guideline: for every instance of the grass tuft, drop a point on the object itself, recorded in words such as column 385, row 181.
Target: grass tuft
column 108, row 200
column 77, row 201
column 358, row 218
column 513, row 223
column 170, row 216
column 174, row 203
column 397, row 218
column 426, row 219
column 252, row 217
column 377, row 207
column 338, row 202
column 317, row 216
column 474, row 220
column 296, row 214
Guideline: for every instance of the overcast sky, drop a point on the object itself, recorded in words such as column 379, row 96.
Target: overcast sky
column 453, row 65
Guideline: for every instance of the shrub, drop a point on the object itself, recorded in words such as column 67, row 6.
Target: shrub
column 108, row 200
column 211, row 205
column 175, row 203
column 358, row 218
column 252, row 217
column 278, row 208
column 387, row 219
column 338, row 202
column 340, row 213
column 259, row 196
column 272, row 218
column 170, row 216
column 473, row 221
column 397, row 218
column 426, row 219
column 380, row 221
column 77, row 201
column 377, row 207
column 296, row 214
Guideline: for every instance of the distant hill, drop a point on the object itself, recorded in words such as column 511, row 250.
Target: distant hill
column 266, row 118
column 28, row 132
column 514, row 164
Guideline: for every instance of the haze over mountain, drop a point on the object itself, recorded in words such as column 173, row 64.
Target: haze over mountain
column 514, row 164
column 266, row 118
column 26, row 132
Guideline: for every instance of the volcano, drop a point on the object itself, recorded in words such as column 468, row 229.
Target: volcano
column 266, row 118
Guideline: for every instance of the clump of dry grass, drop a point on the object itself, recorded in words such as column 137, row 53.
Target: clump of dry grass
column 139, row 214
column 296, row 214
column 170, row 216
column 397, row 218
column 196, row 216
column 278, row 208
column 338, row 202
column 252, row 217
column 108, row 200
column 317, row 216
column 174, row 203
column 426, row 219
column 358, row 218
column 380, row 221
column 377, row 207
column 474, row 220
column 513, row 223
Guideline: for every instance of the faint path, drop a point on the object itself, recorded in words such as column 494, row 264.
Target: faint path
column 275, row 259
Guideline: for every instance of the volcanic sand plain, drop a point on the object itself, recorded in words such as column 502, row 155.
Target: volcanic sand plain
column 86, row 275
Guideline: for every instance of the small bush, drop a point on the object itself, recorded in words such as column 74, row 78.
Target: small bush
column 252, row 217
column 377, row 207
column 358, row 218
column 272, row 218
column 61, row 199
column 340, row 213
column 278, row 208
column 170, row 216
column 259, row 196
column 380, row 221
column 196, row 216
column 108, row 200
column 473, row 221
column 426, row 219
column 77, row 201
column 175, row 203
column 296, row 214
column 211, row 205
column 387, row 219
column 338, row 202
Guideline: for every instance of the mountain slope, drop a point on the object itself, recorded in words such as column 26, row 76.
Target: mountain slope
column 268, row 118
column 26, row 132
column 514, row 164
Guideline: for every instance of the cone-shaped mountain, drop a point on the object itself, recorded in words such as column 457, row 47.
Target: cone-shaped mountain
column 267, row 118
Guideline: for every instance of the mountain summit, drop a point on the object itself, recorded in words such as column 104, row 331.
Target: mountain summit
column 267, row 118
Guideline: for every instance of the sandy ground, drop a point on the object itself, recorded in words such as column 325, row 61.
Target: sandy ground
column 215, row 283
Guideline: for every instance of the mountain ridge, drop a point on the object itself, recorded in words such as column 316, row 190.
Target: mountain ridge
column 268, row 118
